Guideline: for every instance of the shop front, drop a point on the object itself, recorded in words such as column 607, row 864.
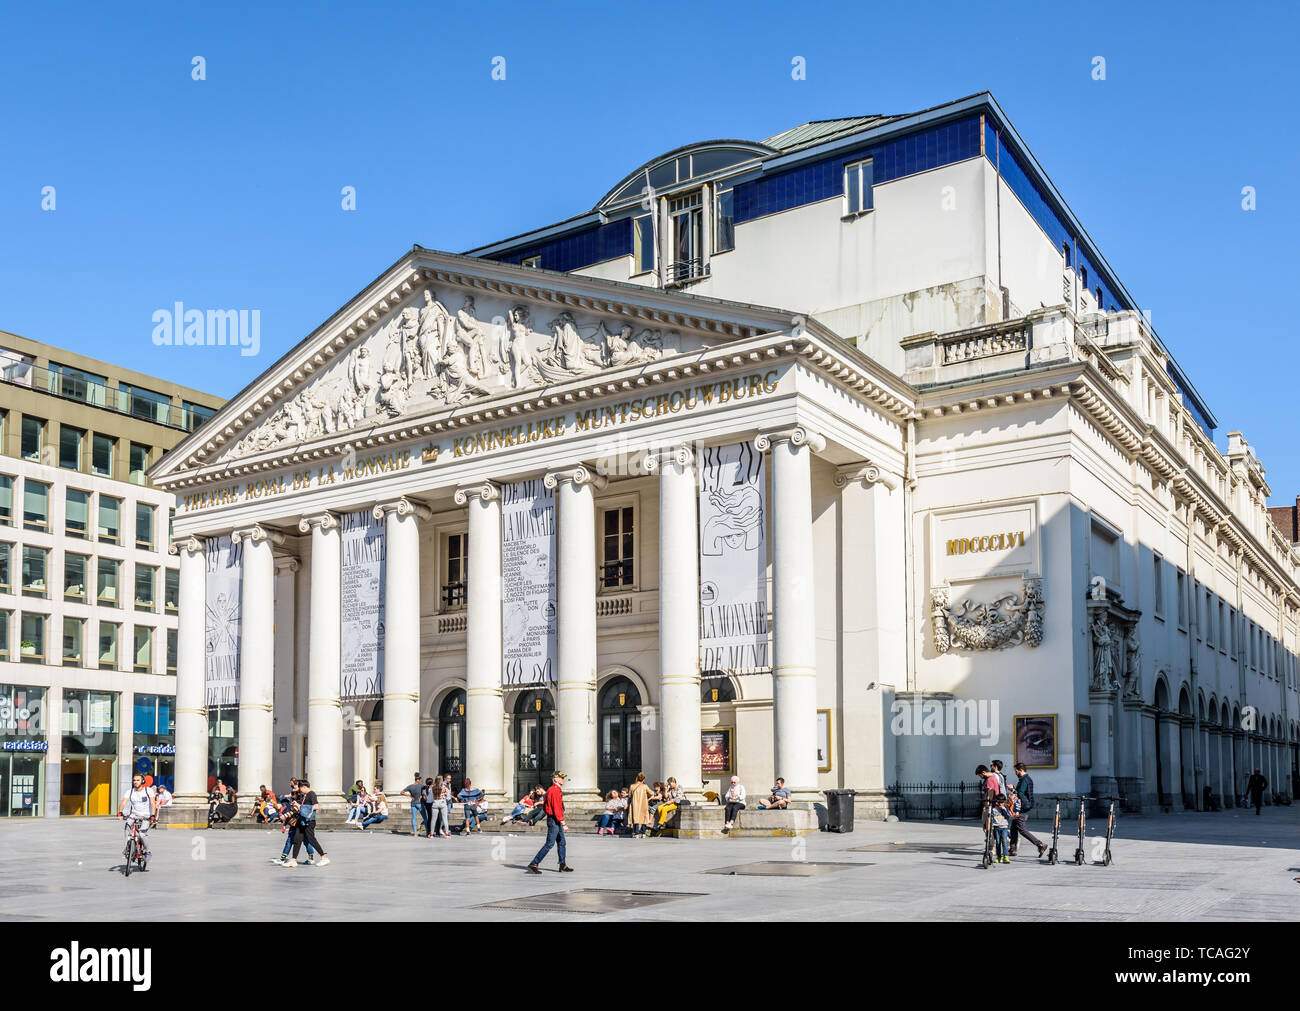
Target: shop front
column 153, row 739
column 88, row 770
column 22, row 751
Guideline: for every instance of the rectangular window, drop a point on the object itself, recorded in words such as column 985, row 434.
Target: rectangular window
column 857, row 187
column 75, row 568
column 618, row 564
column 110, row 519
column 76, row 514
column 139, row 463
column 4, row 634
column 106, row 588
column 144, row 515
column 32, row 438
column 71, row 642
column 144, row 588
column 195, row 414
column 1223, row 629
column 686, row 221
column 724, row 221
column 146, row 404
column 36, row 505
column 1208, row 630
column 6, row 578
column 34, row 572
column 70, row 440
column 101, row 455
column 172, row 590
column 1158, row 584
column 107, row 646
column 643, row 243
column 33, row 638
column 6, row 500
column 1182, row 600
column 143, row 649
column 75, row 384
column 171, row 651
column 456, row 572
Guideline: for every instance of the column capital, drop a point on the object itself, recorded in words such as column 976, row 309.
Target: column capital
column 486, row 491
column 191, row 544
column 289, row 562
column 256, row 534
column 866, row 472
column 322, row 521
column 402, row 506
column 659, row 457
column 579, row 476
column 797, row 435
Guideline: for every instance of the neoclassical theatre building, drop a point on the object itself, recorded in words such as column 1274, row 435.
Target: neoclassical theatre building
column 582, row 500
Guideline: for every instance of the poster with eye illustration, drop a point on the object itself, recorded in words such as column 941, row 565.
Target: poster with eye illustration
column 1036, row 741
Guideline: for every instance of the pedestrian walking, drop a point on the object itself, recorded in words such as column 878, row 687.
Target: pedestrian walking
column 1024, row 795
column 305, row 808
column 1255, row 789
column 554, row 807
column 429, row 794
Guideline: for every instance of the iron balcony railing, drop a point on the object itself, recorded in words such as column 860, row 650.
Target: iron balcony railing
column 681, row 271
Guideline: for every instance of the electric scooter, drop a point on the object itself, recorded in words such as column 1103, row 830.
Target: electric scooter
column 1110, row 834
column 1056, row 835
column 1083, row 826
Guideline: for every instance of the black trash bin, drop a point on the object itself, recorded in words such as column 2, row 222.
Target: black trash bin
column 839, row 810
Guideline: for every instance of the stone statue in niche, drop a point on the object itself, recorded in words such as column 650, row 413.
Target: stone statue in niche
column 1103, row 657
column 1132, row 663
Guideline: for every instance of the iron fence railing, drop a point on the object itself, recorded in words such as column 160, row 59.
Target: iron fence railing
column 935, row 801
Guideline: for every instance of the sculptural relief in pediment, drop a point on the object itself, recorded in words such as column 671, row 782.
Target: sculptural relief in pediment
column 427, row 355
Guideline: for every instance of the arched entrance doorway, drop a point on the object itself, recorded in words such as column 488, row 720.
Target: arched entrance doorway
column 620, row 735
column 534, row 740
column 451, row 738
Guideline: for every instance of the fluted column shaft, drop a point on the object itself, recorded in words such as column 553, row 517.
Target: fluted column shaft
column 484, row 702
column 576, row 743
column 256, row 658
column 324, row 707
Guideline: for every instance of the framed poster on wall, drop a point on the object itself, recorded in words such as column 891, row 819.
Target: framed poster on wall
column 823, row 740
column 715, row 752
column 1036, row 741
column 1085, row 741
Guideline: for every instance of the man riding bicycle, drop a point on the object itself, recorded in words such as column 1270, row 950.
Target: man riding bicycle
column 140, row 807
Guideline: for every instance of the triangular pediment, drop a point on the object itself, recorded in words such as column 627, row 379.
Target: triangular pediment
column 439, row 333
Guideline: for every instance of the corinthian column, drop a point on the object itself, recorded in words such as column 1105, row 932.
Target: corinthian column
column 679, row 616
column 794, row 629
column 484, row 704
column 256, row 657
column 324, row 710
column 401, row 637
column 191, row 712
column 576, row 742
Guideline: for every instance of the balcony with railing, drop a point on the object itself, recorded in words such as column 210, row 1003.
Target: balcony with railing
column 119, row 400
column 680, row 272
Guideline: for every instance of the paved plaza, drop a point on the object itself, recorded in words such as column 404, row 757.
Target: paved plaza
column 1225, row 866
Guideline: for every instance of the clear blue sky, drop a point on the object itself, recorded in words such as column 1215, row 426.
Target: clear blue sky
column 225, row 193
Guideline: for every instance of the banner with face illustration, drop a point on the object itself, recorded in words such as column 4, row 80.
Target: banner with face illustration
column 733, row 560
column 224, row 579
column 363, row 561
column 528, row 592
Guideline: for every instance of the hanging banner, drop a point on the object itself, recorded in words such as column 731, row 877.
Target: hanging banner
column 225, row 570
column 733, row 560
column 363, row 548
column 528, row 584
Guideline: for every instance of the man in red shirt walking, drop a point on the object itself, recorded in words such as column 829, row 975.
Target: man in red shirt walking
column 554, row 808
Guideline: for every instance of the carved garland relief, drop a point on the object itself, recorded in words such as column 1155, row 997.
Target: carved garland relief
column 426, row 356
column 1010, row 620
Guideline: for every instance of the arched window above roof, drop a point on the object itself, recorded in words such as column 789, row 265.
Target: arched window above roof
column 680, row 167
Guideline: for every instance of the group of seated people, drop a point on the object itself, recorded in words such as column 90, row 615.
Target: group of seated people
column 223, row 804
column 366, row 807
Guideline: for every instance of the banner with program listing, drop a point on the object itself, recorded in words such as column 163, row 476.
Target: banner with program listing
column 225, row 570
column 733, row 560
column 363, row 546
column 528, row 590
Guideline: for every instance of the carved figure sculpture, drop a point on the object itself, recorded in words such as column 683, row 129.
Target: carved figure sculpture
column 1103, row 660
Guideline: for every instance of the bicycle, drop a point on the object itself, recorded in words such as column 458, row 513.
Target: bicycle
column 134, row 851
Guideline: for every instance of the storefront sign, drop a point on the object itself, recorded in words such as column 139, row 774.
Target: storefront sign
column 24, row 745
column 715, row 751
column 155, row 749
column 364, row 559
column 528, row 592
column 733, row 560
column 223, row 584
